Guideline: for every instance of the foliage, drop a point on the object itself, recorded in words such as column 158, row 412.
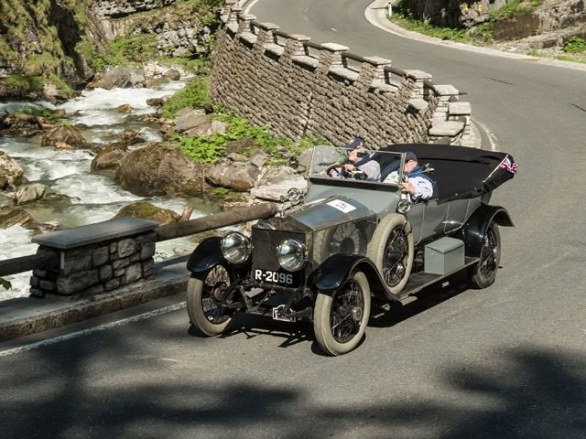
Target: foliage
column 194, row 94
column 5, row 284
column 513, row 8
column 404, row 18
column 125, row 50
column 29, row 84
column 210, row 149
column 574, row 45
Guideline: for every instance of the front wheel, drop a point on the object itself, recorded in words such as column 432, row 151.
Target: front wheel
column 206, row 312
column 483, row 274
column 340, row 319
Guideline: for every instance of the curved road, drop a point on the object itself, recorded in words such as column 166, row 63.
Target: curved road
column 509, row 361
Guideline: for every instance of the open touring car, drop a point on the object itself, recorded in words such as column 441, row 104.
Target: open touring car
column 347, row 239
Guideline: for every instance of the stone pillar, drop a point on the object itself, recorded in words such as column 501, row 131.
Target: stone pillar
column 418, row 78
column 295, row 46
column 372, row 72
column 95, row 258
column 265, row 33
column 331, row 57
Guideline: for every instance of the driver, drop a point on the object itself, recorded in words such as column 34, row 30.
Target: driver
column 358, row 160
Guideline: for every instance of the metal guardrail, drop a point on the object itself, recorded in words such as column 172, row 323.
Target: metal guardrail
column 163, row 233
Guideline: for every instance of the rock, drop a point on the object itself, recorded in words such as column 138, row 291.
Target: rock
column 194, row 123
column 274, row 191
column 189, row 119
column 11, row 173
column 110, row 157
column 146, row 210
column 124, row 108
column 259, row 158
column 172, row 75
column 276, row 174
column 237, row 176
column 160, row 169
column 119, row 76
column 28, row 193
column 15, row 217
column 64, row 137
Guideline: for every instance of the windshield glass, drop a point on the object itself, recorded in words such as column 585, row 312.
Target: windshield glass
column 329, row 162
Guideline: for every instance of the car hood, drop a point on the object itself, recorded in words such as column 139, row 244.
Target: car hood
column 328, row 212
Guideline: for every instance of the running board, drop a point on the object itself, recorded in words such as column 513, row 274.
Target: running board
column 419, row 281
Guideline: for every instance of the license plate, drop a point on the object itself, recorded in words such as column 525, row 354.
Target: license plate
column 276, row 277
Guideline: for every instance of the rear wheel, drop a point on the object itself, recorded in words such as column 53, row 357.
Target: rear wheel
column 483, row 274
column 391, row 249
column 206, row 311
column 340, row 319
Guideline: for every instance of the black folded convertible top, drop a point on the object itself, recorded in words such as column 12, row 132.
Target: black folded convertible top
column 461, row 172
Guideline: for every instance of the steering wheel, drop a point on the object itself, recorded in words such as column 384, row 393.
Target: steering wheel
column 335, row 170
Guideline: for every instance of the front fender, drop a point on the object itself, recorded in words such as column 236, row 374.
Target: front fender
column 205, row 256
column 332, row 273
column 475, row 227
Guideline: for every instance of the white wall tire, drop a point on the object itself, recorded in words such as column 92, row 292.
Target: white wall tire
column 205, row 313
column 391, row 248
column 340, row 318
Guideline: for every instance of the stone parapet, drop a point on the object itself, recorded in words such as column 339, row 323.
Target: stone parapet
column 96, row 258
column 298, row 88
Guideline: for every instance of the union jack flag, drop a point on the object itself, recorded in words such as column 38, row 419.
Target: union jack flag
column 509, row 165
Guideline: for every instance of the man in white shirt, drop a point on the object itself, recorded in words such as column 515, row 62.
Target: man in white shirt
column 418, row 185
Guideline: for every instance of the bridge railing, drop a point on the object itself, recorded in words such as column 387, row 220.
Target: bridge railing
column 102, row 257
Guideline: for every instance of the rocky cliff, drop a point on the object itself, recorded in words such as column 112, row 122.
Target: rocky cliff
column 59, row 39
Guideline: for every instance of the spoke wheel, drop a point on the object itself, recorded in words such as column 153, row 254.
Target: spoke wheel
column 391, row 249
column 483, row 274
column 206, row 311
column 340, row 319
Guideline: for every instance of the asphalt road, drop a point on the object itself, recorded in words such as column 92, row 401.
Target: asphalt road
column 508, row 361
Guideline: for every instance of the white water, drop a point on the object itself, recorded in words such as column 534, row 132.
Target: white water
column 94, row 197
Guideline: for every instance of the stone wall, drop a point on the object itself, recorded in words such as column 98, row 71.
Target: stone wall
column 297, row 88
column 96, row 258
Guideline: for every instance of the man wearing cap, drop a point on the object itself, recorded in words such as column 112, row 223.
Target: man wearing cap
column 359, row 159
column 418, row 185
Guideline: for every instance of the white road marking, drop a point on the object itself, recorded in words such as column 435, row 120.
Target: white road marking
column 98, row 328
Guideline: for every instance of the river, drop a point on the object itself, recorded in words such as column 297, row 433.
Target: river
column 94, row 197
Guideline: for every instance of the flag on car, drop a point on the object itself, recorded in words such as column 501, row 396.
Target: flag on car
column 508, row 165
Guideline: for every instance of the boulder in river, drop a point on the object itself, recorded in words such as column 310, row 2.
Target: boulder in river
column 64, row 137
column 11, row 173
column 146, row 210
column 29, row 193
column 160, row 169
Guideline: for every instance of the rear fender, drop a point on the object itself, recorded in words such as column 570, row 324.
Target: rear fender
column 475, row 228
column 205, row 256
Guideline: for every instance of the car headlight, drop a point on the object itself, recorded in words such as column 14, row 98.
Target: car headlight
column 236, row 248
column 291, row 255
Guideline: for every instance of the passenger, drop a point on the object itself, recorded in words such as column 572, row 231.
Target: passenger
column 358, row 162
column 415, row 183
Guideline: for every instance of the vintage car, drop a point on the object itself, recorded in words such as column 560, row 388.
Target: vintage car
column 348, row 238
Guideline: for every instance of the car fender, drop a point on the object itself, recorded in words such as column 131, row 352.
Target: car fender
column 332, row 273
column 205, row 256
column 475, row 228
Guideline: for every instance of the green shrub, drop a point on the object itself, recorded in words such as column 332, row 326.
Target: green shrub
column 5, row 284
column 210, row 149
column 575, row 44
column 194, row 94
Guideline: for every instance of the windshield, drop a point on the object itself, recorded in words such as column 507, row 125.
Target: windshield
column 329, row 162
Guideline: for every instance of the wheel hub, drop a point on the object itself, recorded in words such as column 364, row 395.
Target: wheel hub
column 357, row 313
